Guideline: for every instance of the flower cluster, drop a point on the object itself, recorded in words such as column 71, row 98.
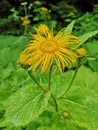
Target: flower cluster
column 25, row 20
column 46, row 49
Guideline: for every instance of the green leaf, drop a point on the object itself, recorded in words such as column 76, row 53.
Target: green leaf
column 24, row 106
column 94, row 65
column 82, row 106
column 87, row 78
column 69, row 28
column 60, row 83
column 53, row 121
column 92, row 48
column 81, row 102
column 52, row 23
column 86, row 36
column 14, row 128
column 84, row 78
column 62, row 124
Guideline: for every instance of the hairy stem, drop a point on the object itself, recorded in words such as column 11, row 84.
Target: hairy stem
column 49, row 87
column 31, row 75
column 49, row 79
column 56, row 105
column 72, row 80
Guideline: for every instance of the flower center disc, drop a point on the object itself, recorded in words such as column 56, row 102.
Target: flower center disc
column 49, row 46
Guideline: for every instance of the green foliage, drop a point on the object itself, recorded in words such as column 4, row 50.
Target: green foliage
column 24, row 105
column 82, row 97
column 10, row 48
column 87, row 22
column 8, row 25
column 81, row 101
column 36, row 13
column 15, row 128
column 92, row 48
column 86, row 36
column 65, row 12
column 69, row 28
column 59, row 14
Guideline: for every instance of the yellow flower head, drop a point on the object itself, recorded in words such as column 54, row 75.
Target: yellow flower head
column 25, row 20
column 66, row 114
column 81, row 52
column 45, row 50
column 37, row 2
column 44, row 9
column 42, row 29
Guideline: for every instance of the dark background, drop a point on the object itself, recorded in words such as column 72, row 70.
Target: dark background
column 82, row 5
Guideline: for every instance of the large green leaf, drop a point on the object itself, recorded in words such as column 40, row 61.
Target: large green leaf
column 24, row 106
column 69, row 28
column 87, row 78
column 94, row 64
column 6, row 41
column 59, row 83
column 81, row 102
column 10, row 48
column 84, row 78
column 82, row 106
column 86, row 36
column 92, row 48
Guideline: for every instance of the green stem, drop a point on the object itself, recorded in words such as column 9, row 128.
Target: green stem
column 70, row 85
column 25, row 10
column 24, row 128
column 29, row 72
column 31, row 75
column 56, row 105
column 25, row 30
column 49, row 87
column 49, row 79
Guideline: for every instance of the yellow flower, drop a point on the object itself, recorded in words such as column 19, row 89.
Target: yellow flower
column 81, row 52
column 44, row 9
column 25, row 20
column 42, row 29
column 37, row 2
column 66, row 114
column 45, row 50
